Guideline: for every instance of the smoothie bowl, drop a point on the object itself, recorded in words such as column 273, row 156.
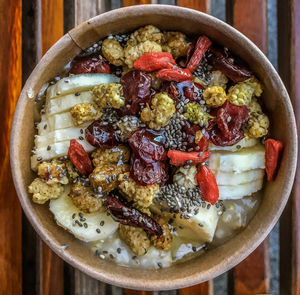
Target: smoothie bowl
column 153, row 144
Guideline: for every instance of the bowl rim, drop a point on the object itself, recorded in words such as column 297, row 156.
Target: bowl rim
column 158, row 284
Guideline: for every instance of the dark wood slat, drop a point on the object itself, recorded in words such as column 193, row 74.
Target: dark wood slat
column 10, row 85
column 201, row 5
column 135, row 2
column 50, row 26
column 252, row 275
column 289, row 69
column 136, row 292
column 200, row 289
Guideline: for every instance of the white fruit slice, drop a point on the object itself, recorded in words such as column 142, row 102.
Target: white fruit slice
column 58, row 149
column 77, row 83
column 124, row 255
column 58, row 136
column 60, row 121
column 200, row 227
column 63, row 210
column 239, row 191
column 243, row 143
column 230, row 178
column 66, row 102
column 246, row 159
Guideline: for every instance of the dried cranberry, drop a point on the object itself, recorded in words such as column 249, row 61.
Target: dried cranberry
column 229, row 120
column 125, row 214
column 190, row 90
column 102, row 136
column 90, row 64
column 147, row 174
column 137, row 89
column 221, row 61
column 190, row 130
column 146, row 147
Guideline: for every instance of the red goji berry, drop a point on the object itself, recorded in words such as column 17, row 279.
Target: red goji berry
column 203, row 143
column 208, row 185
column 80, row 158
column 175, row 74
column 202, row 45
column 178, row 158
column 154, row 61
column 273, row 152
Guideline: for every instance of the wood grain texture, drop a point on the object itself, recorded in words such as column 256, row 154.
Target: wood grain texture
column 135, row 2
column 10, row 85
column 289, row 69
column 50, row 28
column 200, row 289
column 85, row 285
column 250, row 18
column 252, row 276
column 201, row 5
column 136, row 292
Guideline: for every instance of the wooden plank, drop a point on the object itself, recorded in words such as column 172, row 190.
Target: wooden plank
column 85, row 285
column 289, row 69
column 200, row 289
column 135, row 2
column 201, row 5
column 136, row 292
column 50, row 29
column 10, row 85
column 252, row 275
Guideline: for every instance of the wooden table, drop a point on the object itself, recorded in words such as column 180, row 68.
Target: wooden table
column 28, row 29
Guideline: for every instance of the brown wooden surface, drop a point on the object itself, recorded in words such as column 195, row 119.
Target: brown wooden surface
column 135, row 2
column 51, row 278
column 252, row 276
column 10, row 85
column 136, row 292
column 201, row 289
column 289, row 69
column 201, row 5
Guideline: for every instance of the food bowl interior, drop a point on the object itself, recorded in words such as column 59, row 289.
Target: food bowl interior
column 215, row 261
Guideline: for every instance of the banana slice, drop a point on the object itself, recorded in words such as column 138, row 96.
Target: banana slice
column 243, row 143
column 64, row 210
column 230, row 178
column 239, row 191
column 108, row 249
column 66, row 102
column 57, row 149
column 58, row 136
column 246, row 159
column 77, row 83
column 60, row 121
column 200, row 227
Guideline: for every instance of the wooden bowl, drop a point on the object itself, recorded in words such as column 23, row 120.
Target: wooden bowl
column 215, row 261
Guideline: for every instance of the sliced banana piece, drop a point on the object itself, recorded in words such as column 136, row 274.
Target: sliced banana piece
column 200, row 227
column 246, row 159
column 231, row 178
column 64, row 210
column 243, row 143
column 239, row 191
column 57, row 149
column 154, row 258
column 64, row 103
column 58, row 136
column 77, row 83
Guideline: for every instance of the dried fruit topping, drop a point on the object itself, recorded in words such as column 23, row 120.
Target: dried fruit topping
column 143, row 143
column 102, row 136
column 146, row 174
column 273, row 153
column 190, row 90
column 190, row 131
column 154, row 61
column 90, row 64
column 128, row 215
column 208, row 185
column 171, row 89
column 202, row 139
column 178, row 158
column 228, row 128
column 202, row 45
column 136, row 89
column 175, row 74
column 226, row 65
column 80, row 158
